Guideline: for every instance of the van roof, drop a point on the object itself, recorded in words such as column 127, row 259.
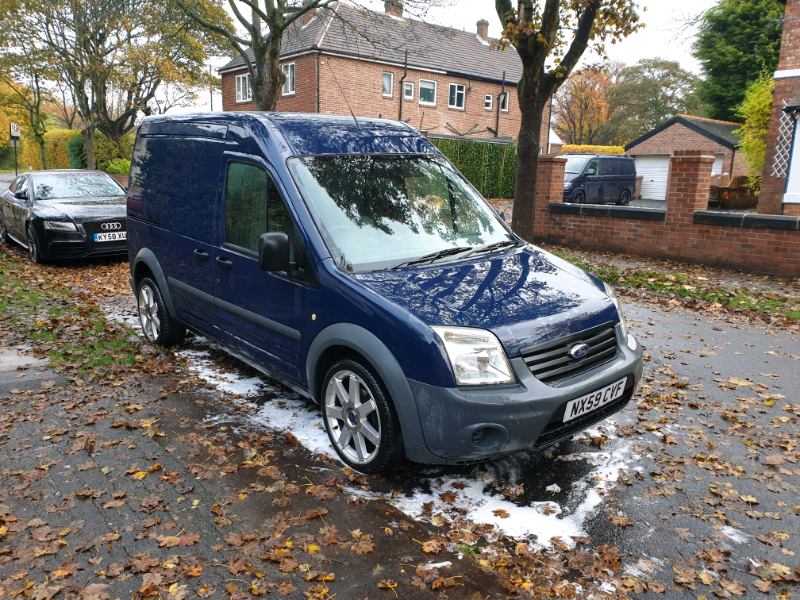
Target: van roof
column 310, row 133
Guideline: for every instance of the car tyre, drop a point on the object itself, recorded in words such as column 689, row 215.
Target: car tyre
column 34, row 251
column 158, row 327
column 360, row 419
column 3, row 232
column 624, row 198
column 579, row 197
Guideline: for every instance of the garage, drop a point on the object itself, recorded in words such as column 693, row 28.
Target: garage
column 654, row 170
column 653, row 150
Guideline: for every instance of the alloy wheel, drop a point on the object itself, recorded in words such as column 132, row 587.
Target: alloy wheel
column 353, row 418
column 624, row 198
column 3, row 232
column 148, row 313
column 33, row 249
column 579, row 197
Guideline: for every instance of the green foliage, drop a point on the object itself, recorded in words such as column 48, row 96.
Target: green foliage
column 486, row 165
column 106, row 150
column 738, row 39
column 76, row 152
column 755, row 111
column 119, row 166
column 55, row 150
column 646, row 95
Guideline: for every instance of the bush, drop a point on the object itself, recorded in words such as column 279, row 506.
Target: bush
column 756, row 111
column 76, row 152
column 119, row 166
column 489, row 166
column 106, row 150
column 587, row 149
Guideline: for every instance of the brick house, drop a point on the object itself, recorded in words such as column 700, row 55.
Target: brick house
column 652, row 151
column 453, row 83
column 775, row 198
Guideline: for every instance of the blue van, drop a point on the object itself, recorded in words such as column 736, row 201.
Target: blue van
column 354, row 264
column 599, row 179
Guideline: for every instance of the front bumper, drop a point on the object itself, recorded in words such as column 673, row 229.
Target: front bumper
column 62, row 245
column 520, row 417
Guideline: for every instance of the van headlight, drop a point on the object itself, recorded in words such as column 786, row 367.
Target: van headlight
column 568, row 185
column 59, row 225
column 476, row 356
column 615, row 300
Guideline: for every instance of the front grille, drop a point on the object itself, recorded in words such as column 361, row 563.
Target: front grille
column 66, row 250
column 557, row 429
column 551, row 362
column 92, row 227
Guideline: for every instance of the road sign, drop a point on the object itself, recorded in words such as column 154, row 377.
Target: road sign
column 15, row 142
column 14, row 127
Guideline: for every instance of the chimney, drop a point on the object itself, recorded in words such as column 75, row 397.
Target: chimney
column 394, row 8
column 307, row 16
column 483, row 30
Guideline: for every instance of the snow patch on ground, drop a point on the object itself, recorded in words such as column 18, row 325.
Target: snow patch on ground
column 737, row 536
column 286, row 412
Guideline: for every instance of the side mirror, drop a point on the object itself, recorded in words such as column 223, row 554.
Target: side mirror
column 21, row 195
column 591, row 171
column 273, row 252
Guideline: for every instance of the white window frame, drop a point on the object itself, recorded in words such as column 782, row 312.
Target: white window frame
column 285, row 68
column 490, row 98
column 405, row 90
column 463, row 96
column 435, row 92
column 391, row 84
column 507, row 97
column 243, row 84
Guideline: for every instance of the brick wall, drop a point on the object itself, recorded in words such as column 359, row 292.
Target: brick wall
column 674, row 235
column 679, row 137
column 772, row 188
column 362, row 83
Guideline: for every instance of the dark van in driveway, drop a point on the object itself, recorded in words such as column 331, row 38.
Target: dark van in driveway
column 353, row 263
column 599, row 179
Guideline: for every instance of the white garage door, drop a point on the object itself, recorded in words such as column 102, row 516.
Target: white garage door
column 654, row 169
column 717, row 168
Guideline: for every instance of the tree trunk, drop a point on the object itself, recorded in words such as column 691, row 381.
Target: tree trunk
column 88, row 142
column 40, row 141
column 528, row 145
column 269, row 76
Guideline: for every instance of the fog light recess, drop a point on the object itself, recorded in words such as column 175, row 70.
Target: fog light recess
column 485, row 436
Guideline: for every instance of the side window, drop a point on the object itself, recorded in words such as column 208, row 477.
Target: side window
column 22, row 184
column 606, row 167
column 245, row 205
column 279, row 219
column 595, row 164
column 13, row 187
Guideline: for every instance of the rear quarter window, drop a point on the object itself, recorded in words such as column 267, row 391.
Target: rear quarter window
column 180, row 178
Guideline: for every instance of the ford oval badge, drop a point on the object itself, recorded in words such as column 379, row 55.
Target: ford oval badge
column 579, row 351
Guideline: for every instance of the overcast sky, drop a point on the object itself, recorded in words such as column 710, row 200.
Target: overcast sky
column 663, row 36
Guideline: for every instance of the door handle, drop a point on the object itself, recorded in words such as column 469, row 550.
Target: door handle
column 224, row 263
column 201, row 255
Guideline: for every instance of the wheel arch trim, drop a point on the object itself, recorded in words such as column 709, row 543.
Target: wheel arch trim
column 146, row 256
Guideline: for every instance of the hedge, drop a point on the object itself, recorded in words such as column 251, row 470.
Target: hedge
column 64, row 149
column 587, row 149
column 486, row 165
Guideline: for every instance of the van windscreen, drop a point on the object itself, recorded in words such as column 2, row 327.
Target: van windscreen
column 376, row 212
column 575, row 164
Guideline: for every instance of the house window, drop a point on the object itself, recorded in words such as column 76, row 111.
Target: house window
column 408, row 91
column 487, row 101
column 243, row 91
column 288, row 85
column 504, row 101
column 427, row 92
column 388, row 85
column 456, row 98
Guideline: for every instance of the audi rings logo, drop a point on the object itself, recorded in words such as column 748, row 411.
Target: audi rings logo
column 110, row 226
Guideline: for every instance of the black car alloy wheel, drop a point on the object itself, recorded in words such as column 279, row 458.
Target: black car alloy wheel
column 3, row 232
column 624, row 198
column 579, row 197
column 33, row 245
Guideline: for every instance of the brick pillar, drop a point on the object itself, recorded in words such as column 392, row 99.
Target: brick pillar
column 688, row 186
column 787, row 83
column 549, row 188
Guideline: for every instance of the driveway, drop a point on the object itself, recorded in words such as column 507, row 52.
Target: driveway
column 691, row 490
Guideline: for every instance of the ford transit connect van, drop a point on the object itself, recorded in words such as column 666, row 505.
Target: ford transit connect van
column 353, row 263
column 599, row 179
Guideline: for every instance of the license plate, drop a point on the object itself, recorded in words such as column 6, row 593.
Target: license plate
column 111, row 237
column 595, row 400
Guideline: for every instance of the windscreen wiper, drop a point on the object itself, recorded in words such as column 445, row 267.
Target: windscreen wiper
column 493, row 247
column 433, row 256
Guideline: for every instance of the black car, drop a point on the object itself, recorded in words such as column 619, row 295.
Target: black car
column 62, row 214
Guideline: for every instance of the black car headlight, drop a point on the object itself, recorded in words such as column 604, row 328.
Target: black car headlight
column 59, row 225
